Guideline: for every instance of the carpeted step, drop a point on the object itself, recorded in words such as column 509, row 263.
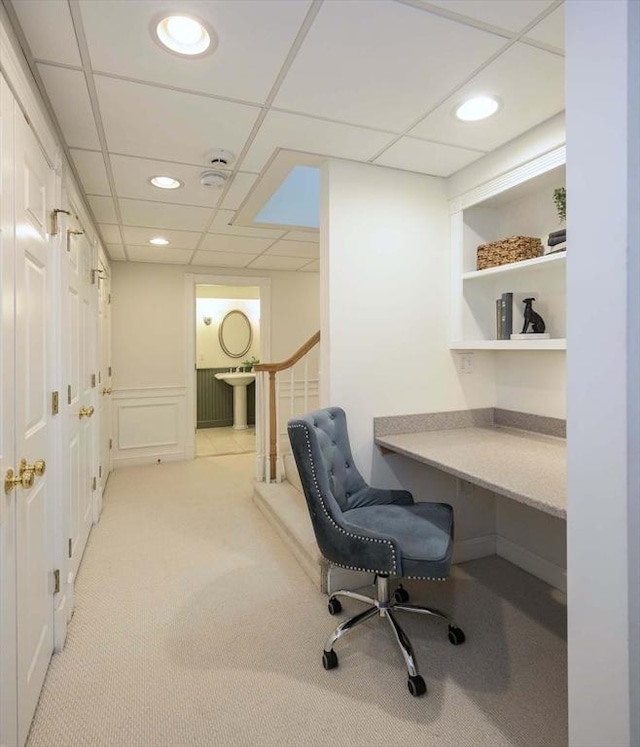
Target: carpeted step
column 286, row 510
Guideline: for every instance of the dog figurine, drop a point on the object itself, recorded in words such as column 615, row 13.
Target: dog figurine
column 532, row 318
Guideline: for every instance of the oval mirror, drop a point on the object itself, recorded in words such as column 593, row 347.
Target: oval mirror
column 235, row 334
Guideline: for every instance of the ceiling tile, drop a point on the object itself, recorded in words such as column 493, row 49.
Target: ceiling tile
column 550, row 30
column 280, row 130
column 103, row 209
column 254, row 40
column 178, row 239
column 131, row 177
column 302, row 249
column 221, row 225
column 389, row 53
column 221, row 259
column 160, row 215
column 238, row 190
column 110, row 234
column 311, row 235
column 266, row 262
column 311, row 267
column 49, row 30
column 507, row 15
column 427, row 158
column 530, row 83
column 163, row 255
column 241, row 244
column 185, row 126
column 93, row 175
column 67, row 90
column 115, row 251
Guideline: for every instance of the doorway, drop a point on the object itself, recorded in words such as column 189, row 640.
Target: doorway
column 228, row 333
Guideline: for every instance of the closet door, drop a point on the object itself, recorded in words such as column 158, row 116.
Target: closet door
column 78, row 345
column 8, row 725
column 34, row 185
column 104, row 395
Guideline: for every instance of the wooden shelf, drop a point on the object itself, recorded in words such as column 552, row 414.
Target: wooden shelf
column 551, row 344
column 549, row 260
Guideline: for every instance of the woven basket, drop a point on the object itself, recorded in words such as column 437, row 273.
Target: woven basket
column 511, row 249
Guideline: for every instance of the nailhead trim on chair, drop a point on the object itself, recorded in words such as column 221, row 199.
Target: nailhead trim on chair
column 339, row 528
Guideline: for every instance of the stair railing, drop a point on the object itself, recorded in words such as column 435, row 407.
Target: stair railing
column 269, row 465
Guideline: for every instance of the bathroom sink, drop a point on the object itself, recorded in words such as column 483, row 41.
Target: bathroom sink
column 239, row 382
column 236, row 379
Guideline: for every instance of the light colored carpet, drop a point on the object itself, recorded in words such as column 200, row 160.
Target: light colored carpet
column 195, row 626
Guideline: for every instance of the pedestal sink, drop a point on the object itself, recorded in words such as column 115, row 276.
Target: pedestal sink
column 239, row 382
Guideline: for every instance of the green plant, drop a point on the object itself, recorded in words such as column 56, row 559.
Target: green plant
column 250, row 362
column 560, row 200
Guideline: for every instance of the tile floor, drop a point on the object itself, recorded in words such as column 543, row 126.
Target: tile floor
column 219, row 441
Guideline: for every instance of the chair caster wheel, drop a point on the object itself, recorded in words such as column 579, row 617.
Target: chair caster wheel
column 334, row 606
column 329, row 660
column 417, row 686
column 456, row 636
column 401, row 595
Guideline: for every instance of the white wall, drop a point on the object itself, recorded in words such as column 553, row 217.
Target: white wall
column 149, row 313
column 152, row 415
column 385, row 248
column 603, row 278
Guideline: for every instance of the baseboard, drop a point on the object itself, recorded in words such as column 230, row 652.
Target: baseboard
column 138, row 461
column 341, row 578
column 552, row 574
column 476, row 547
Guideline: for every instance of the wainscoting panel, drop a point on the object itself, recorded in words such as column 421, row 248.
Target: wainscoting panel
column 215, row 400
column 150, row 425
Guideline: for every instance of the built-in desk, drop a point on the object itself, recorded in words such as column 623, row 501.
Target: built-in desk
column 522, row 465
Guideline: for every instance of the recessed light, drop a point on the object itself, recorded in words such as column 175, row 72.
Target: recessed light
column 184, row 34
column 159, row 241
column 165, row 182
column 477, row 108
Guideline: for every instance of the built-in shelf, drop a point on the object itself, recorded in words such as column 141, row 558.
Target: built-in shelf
column 525, row 265
column 551, row 344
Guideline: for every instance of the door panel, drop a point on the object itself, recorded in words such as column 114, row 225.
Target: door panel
column 8, row 702
column 78, row 344
column 34, row 182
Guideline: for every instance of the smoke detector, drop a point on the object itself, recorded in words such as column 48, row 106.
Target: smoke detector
column 213, row 179
column 220, row 158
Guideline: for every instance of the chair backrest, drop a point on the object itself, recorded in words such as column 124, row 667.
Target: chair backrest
column 329, row 450
column 332, row 485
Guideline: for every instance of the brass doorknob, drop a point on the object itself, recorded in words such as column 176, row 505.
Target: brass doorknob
column 24, row 479
column 107, row 390
column 85, row 412
column 39, row 467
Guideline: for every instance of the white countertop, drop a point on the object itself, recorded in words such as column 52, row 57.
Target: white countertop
column 527, row 467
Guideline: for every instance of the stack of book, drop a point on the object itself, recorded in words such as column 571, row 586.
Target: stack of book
column 557, row 241
column 504, row 316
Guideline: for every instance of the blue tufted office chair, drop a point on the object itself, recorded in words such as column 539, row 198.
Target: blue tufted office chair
column 369, row 529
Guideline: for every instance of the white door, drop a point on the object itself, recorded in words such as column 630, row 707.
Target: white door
column 78, row 404
column 34, row 186
column 104, row 378
column 8, row 725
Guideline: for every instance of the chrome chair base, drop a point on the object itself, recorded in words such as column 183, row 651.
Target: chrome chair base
column 384, row 605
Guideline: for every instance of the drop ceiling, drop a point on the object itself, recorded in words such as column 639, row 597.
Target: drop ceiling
column 373, row 81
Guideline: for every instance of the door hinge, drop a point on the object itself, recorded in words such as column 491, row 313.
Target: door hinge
column 99, row 377
column 109, row 370
column 56, row 581
column 93, row 381
column 70, row 547
column 100, row 471
column 94, row 483
column 69, row 394
column 110, row 443
column 55, row 403
column 109, row 298
column 54, row 219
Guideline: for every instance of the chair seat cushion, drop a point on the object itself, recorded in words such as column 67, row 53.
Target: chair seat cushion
column 422, row 532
